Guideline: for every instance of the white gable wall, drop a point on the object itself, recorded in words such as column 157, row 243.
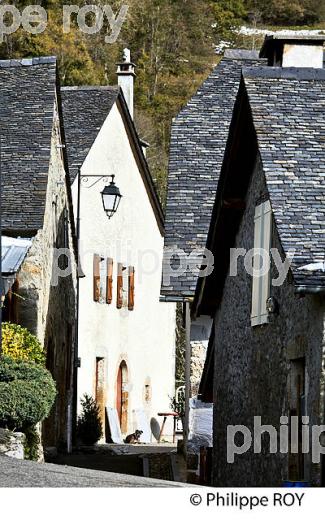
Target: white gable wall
column 297, row 55
column 144, row 337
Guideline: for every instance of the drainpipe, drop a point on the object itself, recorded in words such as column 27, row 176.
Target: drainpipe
column 76, row 349
column 187, row 370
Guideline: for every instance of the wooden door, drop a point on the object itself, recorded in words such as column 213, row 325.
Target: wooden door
column 100, row 389
column 122, row 396
column 296, row 411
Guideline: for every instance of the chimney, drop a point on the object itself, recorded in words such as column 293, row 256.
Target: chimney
column 283, row 50
column 126, row 75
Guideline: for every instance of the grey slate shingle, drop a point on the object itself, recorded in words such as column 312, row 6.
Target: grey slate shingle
column 288, row 107
column 27, row 95
column 84, row 111
column 198, row 141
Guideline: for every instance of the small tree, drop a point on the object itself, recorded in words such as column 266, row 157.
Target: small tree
column 89, row 427
column 18, row 343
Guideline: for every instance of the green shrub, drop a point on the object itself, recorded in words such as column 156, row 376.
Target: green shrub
column 19, row 343
column 89, row 427
column 27, row 393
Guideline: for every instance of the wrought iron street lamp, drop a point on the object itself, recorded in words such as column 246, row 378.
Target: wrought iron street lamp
column 111, row 198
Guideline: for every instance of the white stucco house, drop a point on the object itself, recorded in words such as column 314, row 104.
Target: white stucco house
column 126, row 335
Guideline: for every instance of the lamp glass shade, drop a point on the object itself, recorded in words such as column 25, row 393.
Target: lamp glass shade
column 111, row 199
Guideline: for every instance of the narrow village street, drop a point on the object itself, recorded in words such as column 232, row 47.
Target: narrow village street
column 22, row 473
column 147, row 460
column 162, row 240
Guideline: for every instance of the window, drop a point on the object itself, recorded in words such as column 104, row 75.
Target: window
column 109, row 281
column 100, row 279
column 261, row 263
column 125, row 287
column 96, row 278
column 103, row 280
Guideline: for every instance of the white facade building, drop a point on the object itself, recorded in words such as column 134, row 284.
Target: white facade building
column 126, row 335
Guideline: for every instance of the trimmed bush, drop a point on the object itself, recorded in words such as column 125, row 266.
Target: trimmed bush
column 19, row 343
column 89, row 427
column 27, row 393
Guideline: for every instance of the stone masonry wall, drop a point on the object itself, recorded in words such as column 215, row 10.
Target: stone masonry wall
column 47, row 308
column 252, row 363
column 198, row 355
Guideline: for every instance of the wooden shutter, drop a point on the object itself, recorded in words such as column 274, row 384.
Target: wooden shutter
column 261, row 284
column 131, row 289
column 119, row 299
column 96, row 278
column 109, row 280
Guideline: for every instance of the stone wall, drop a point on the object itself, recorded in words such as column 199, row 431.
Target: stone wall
column 252, row 364
column 47, row 306
column 12, row 444
column 200, row 333
column 198, row 355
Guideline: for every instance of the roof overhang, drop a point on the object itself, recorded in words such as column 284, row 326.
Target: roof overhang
column 13, row 253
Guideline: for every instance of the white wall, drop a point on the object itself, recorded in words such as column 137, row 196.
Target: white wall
column 144, row 337
column 295, row 55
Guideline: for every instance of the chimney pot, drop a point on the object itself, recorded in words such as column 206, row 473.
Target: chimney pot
column 126, row 75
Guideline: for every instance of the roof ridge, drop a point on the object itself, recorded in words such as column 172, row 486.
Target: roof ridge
column 299, row 73
column 27, row 62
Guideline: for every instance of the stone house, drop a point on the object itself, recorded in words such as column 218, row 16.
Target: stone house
column 126, row 335
column 266, row 354
column 198, row 142
column 37, row 220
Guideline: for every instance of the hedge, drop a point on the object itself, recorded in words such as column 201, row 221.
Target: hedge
column 27, row 393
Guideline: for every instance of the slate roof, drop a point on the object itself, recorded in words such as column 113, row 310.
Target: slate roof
column 198, row 141
column 84, row 111
column 13, row 253
column 27, row 94
column 288, row 107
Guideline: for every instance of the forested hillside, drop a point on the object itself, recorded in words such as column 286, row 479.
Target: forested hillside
column 173, row 43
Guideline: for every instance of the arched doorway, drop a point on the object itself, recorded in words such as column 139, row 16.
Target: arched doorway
column 122, row 396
